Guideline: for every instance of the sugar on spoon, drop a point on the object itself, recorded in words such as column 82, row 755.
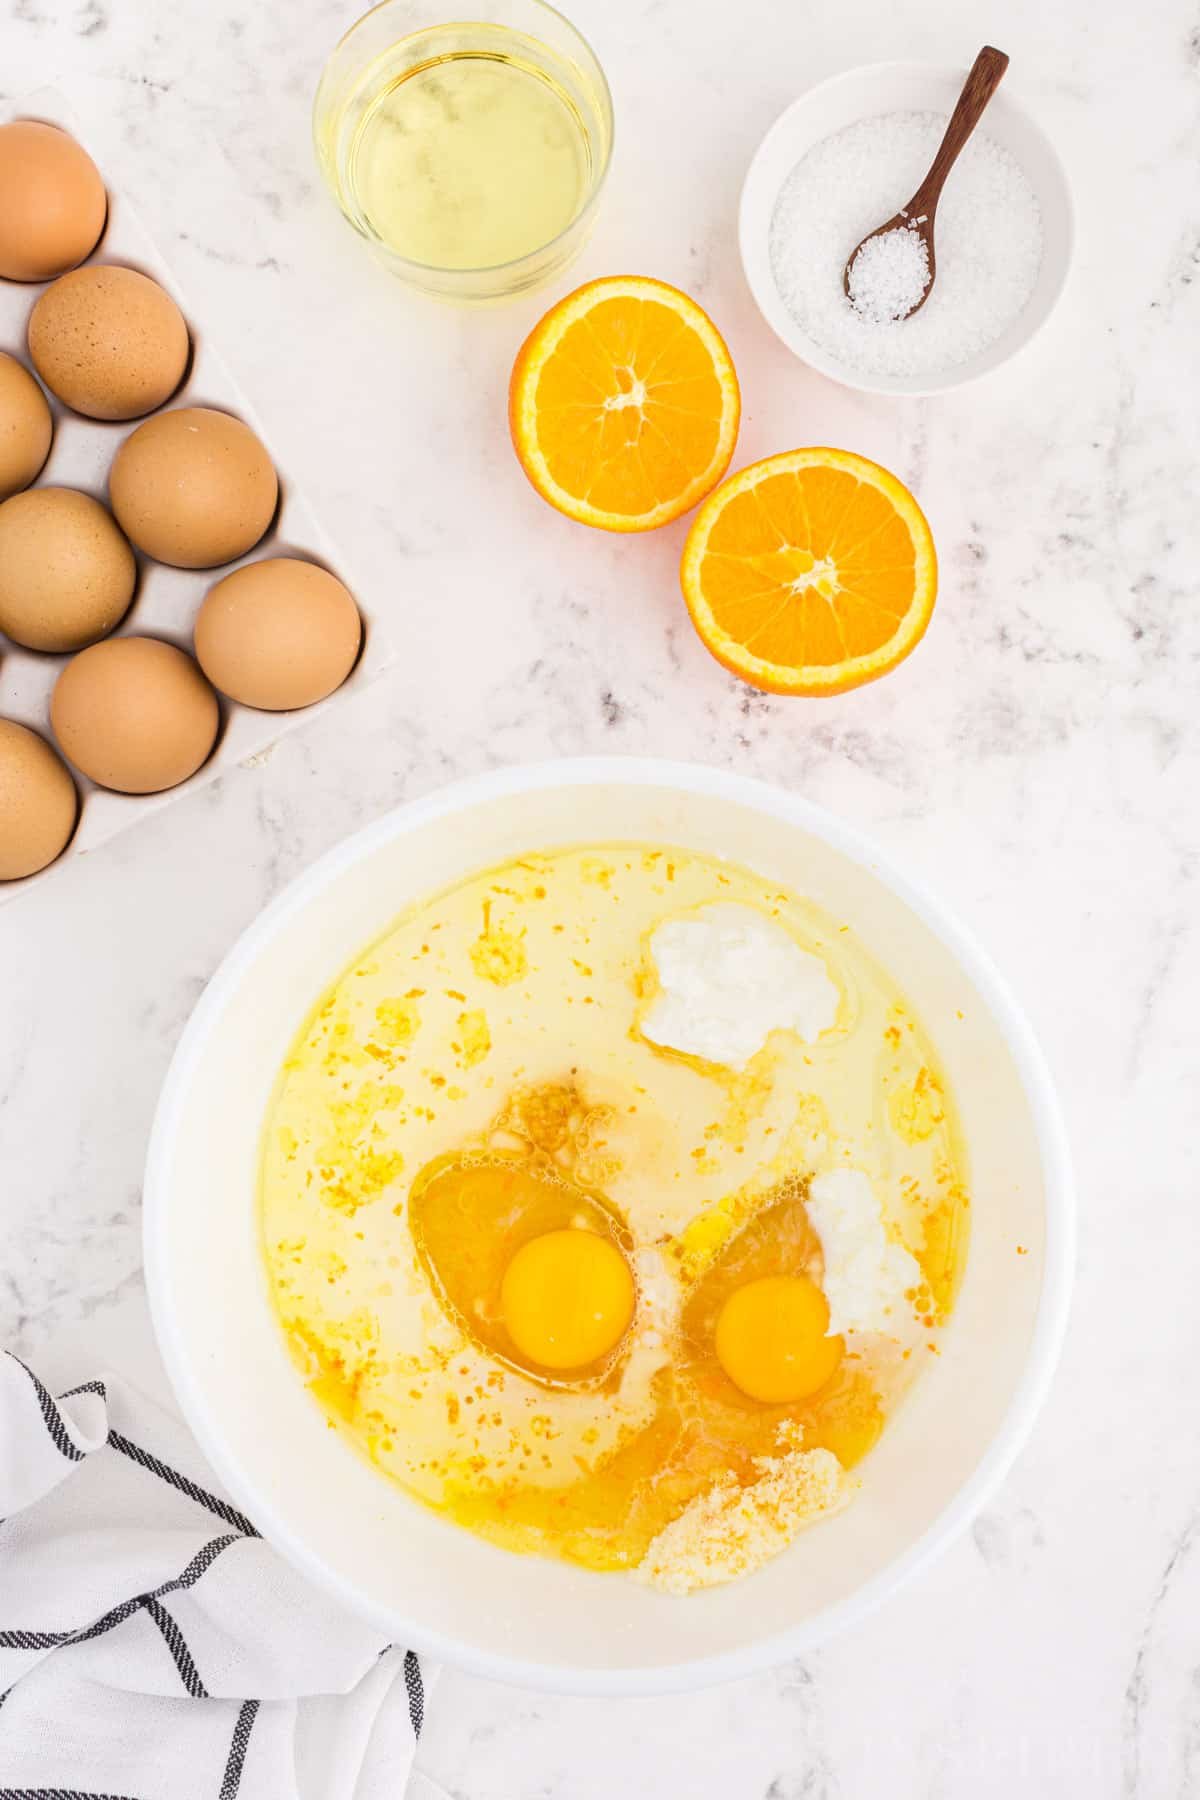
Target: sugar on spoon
column 904, row 269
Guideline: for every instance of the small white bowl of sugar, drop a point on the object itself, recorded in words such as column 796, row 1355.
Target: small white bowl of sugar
column 848, row 155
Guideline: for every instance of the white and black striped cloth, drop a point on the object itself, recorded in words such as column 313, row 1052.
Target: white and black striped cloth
column 152, row 1646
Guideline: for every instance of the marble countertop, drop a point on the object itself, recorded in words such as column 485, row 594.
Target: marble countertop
column 1037, row 761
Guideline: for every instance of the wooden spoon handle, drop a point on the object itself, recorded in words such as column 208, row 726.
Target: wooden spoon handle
column 987, row 71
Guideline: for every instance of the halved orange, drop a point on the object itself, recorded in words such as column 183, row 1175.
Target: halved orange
column 624, row 405
column 810, row 573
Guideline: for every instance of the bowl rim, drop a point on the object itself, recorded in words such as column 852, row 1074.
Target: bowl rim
column 1060, row 1222
column 755, row 258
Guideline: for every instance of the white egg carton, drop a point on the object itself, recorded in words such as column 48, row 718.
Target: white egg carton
column 165, row 600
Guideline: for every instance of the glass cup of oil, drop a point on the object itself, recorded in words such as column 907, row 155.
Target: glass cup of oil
column 469, row 153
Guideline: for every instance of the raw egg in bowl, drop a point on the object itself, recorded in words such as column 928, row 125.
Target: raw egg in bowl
column 486, row 1303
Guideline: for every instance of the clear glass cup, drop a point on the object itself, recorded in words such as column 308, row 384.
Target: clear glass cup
column 469, row 153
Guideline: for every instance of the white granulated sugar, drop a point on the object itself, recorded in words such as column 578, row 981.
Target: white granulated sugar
column 988, row 243
column 889, row 275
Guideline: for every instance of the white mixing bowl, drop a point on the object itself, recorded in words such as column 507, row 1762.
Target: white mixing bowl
column 426, row 1583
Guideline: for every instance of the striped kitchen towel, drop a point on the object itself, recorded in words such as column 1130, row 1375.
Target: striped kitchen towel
column 152, row 1646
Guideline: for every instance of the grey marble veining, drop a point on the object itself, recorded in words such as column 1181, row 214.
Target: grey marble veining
column 1038, row 761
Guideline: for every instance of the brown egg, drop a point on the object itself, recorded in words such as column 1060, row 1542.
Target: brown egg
column 194, row 487
column 109, row 342
column 278, row 634
column 38, row 802
column 52, row 202
column 135, row 714
column 25, row 427
column 66, row 573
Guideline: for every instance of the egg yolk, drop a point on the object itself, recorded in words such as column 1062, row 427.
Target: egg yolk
column 567, row 1298
column 771, row 1339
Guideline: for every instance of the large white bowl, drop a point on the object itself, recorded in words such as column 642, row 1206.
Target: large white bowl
column 866, row 93
column 426, row 1583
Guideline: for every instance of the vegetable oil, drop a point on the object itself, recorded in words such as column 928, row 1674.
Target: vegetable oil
column 466, row 146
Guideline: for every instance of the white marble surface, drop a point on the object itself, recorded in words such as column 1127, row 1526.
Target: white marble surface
column 1037, row 760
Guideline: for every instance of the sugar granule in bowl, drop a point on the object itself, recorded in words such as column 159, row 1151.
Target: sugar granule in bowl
column 988, row 240
column 889, row 275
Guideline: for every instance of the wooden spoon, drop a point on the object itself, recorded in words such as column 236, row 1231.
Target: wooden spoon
column 986, row 73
